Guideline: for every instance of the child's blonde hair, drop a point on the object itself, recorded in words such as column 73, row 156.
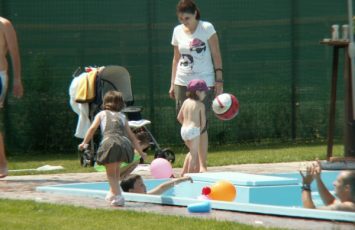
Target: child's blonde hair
column 113, row 100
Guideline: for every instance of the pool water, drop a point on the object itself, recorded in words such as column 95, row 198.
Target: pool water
column 276, row 194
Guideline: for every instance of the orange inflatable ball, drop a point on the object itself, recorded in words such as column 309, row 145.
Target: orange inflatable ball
column 223, row 190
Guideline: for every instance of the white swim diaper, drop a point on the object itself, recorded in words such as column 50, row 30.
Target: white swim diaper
column 189, row 132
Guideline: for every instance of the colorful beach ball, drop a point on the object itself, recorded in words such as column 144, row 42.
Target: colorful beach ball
column 225, row 106
column 223, row 190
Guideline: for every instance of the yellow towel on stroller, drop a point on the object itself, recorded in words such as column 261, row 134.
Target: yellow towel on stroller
column 86, row 88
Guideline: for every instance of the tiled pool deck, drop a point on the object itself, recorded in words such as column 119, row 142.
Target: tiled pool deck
column 24, row 188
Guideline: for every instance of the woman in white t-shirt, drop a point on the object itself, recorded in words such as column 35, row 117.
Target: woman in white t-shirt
column 196, row 56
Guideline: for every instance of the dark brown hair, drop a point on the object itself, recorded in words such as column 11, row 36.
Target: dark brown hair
column 128, row 182
column 192, row 95
column 188, row 6
column 113, row 100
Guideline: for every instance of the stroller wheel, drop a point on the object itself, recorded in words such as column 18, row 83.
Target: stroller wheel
column 167, row 154
column 86, row 160
column 83, row 161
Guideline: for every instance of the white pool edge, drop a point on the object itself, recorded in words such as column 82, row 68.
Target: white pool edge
column 220, row 205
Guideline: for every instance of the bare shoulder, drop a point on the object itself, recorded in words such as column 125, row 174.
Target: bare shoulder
column 188, row 102
column 4, row 22
column 5, row 25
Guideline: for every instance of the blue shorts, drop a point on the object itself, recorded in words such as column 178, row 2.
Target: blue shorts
column 3, row 91
column 3, row 87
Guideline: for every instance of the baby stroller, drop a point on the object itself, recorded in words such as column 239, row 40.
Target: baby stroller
column 117, row 78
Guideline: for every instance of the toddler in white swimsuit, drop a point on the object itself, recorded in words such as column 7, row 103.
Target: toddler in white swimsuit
column 189, row 132
column 193, row 119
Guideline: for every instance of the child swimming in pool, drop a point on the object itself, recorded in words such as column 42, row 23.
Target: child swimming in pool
column 134, row 183
column 117, row 143
column 193, row 120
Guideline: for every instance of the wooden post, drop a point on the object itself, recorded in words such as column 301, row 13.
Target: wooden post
column 333, row 96
column 349, row 123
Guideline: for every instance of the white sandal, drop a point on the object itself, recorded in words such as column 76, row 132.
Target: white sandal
column 110, row 197
column 118, row 201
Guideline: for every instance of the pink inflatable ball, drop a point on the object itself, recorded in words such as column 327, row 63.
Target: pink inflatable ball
column 160, row 168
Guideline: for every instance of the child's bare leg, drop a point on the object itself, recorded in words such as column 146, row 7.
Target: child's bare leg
column 202, row 153
column 111, row 171
column 115, row 197
column 186, row 164
column 194, row 147
column 3, row 162
column 118, row 177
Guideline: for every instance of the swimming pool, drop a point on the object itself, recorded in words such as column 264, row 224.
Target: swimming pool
column 272, row 194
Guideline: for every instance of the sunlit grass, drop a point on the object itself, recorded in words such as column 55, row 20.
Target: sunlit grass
column 217, row 156
column 33, row 215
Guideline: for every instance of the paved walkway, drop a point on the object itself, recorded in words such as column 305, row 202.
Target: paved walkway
column 23, row 188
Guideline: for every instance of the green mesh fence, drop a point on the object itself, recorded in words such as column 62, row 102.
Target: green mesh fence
column 272, row 62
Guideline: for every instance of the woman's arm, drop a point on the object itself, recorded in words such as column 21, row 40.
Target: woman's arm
column 176, row 59
column 217, row 62
column 180, row 116
column 11, row 40
column 203, row 117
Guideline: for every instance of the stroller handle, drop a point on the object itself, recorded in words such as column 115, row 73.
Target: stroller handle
column 76, row 72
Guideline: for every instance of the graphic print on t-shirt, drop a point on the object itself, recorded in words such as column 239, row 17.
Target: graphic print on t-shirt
column 186, row 62
column 198, row 46
column 197, row 50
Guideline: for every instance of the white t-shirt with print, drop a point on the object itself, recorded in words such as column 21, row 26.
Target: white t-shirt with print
column 196, row 59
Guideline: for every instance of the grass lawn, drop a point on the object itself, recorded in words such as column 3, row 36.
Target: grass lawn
column 217, row 156
column 33, row 215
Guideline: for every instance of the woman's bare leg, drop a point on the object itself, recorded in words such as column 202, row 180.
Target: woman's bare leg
column 186, row 164
column 202, row 153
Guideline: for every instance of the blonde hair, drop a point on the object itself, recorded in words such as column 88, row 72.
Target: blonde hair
column 113, row 100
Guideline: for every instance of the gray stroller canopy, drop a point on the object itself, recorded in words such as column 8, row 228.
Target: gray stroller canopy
column 120, row 79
